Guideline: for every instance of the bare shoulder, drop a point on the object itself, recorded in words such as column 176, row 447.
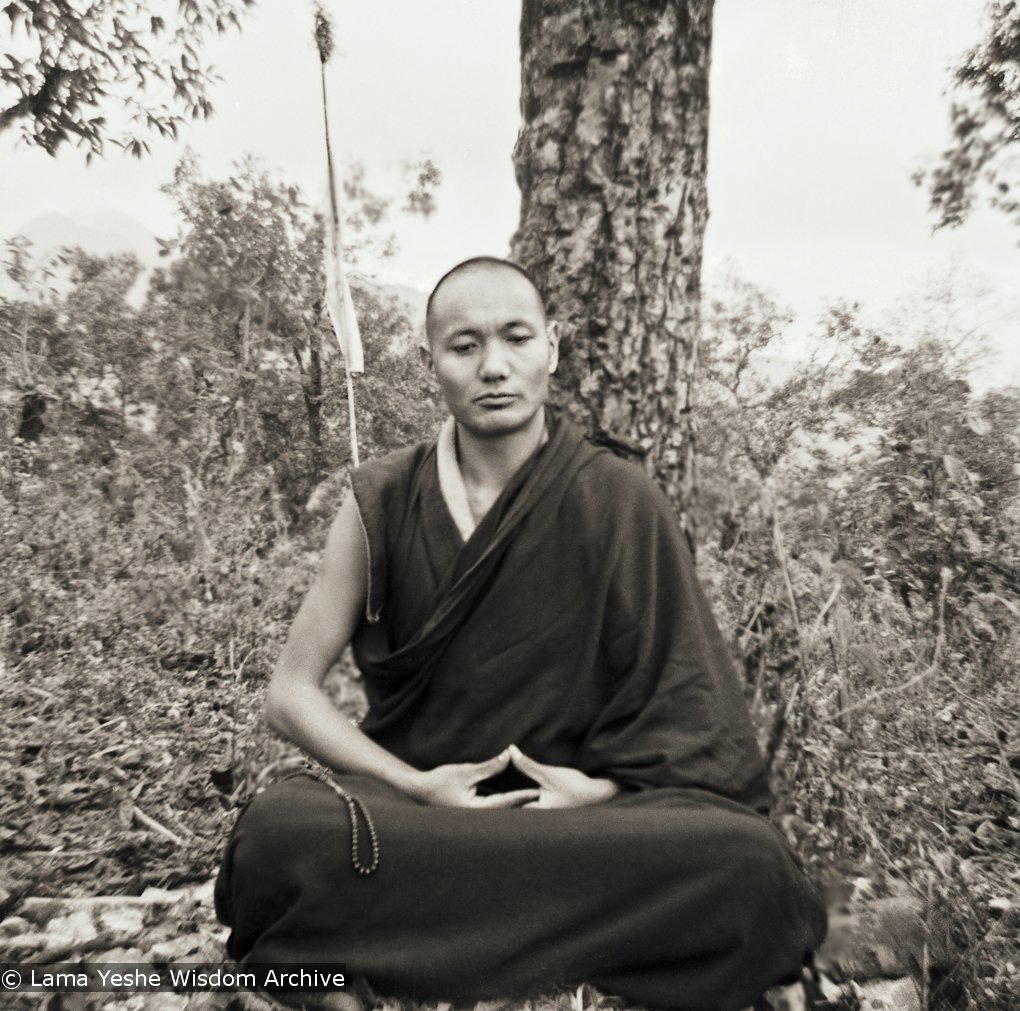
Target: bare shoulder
column 345, row 540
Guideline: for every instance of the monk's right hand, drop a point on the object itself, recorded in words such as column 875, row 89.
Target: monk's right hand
column 457, row 785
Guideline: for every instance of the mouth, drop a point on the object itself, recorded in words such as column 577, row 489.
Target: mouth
column 495, row 399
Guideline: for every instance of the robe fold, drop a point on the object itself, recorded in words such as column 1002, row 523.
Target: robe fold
column 571, row 624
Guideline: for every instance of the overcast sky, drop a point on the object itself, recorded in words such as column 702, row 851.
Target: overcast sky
column 821, row 111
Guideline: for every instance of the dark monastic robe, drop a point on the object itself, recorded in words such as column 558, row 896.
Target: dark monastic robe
column 571, row 624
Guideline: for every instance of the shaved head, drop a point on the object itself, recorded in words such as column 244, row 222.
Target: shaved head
column 479, row 265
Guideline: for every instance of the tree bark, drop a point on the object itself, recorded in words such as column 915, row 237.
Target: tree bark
column 611, row 162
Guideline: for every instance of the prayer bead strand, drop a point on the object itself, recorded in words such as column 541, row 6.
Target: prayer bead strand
column 355, row 806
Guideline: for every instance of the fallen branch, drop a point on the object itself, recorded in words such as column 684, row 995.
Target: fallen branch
column 882, row 692
column 825, row 607
column 940, row 639
column 151, row 823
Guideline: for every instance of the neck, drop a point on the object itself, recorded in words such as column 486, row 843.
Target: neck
column 490, row 462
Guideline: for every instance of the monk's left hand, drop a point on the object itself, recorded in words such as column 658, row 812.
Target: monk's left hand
column 560, row 786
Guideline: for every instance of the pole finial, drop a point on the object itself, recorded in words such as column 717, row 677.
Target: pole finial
column 323, row 35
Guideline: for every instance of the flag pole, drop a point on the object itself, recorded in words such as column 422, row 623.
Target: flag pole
column 324, row 44
column 352, row 416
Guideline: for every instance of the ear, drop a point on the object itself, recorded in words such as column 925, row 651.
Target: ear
column 552, row 335
column 425, row 354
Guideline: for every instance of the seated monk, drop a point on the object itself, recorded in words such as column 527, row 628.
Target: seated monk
column 557, row 780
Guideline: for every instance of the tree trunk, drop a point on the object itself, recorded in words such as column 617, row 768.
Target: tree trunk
column 611, row 166
column 312, row 387
column 235, row 436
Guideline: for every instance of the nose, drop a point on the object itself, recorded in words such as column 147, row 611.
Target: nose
column 494, row 365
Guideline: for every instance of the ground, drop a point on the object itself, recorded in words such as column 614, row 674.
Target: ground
column 116, row 818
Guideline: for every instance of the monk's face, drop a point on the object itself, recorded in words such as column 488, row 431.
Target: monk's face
column 491, row 350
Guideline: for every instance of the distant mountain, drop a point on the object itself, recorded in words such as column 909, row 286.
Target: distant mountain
column 100, row 232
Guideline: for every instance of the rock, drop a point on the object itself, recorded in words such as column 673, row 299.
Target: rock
column 831, row 990
column 72, row 930
column 213, row 946
column 13, row 926
column 203, row 893
column 158, row 925
column 494, row 1005
column 176, row 949
column 120, row 955
column 883, row 939
column 38, row 909
column 787, row 998
column 890, row 995
column 122, row 920
column 22, row 945
column 161, row 896
column 170, row 1002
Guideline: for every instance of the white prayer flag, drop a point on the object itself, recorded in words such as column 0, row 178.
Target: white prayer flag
column 339, row 301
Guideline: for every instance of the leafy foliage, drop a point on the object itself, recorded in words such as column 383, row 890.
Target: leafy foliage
column 161, row 517
column 861, row 534
column 78, row 66
column 257, row 351
column 985, row 119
